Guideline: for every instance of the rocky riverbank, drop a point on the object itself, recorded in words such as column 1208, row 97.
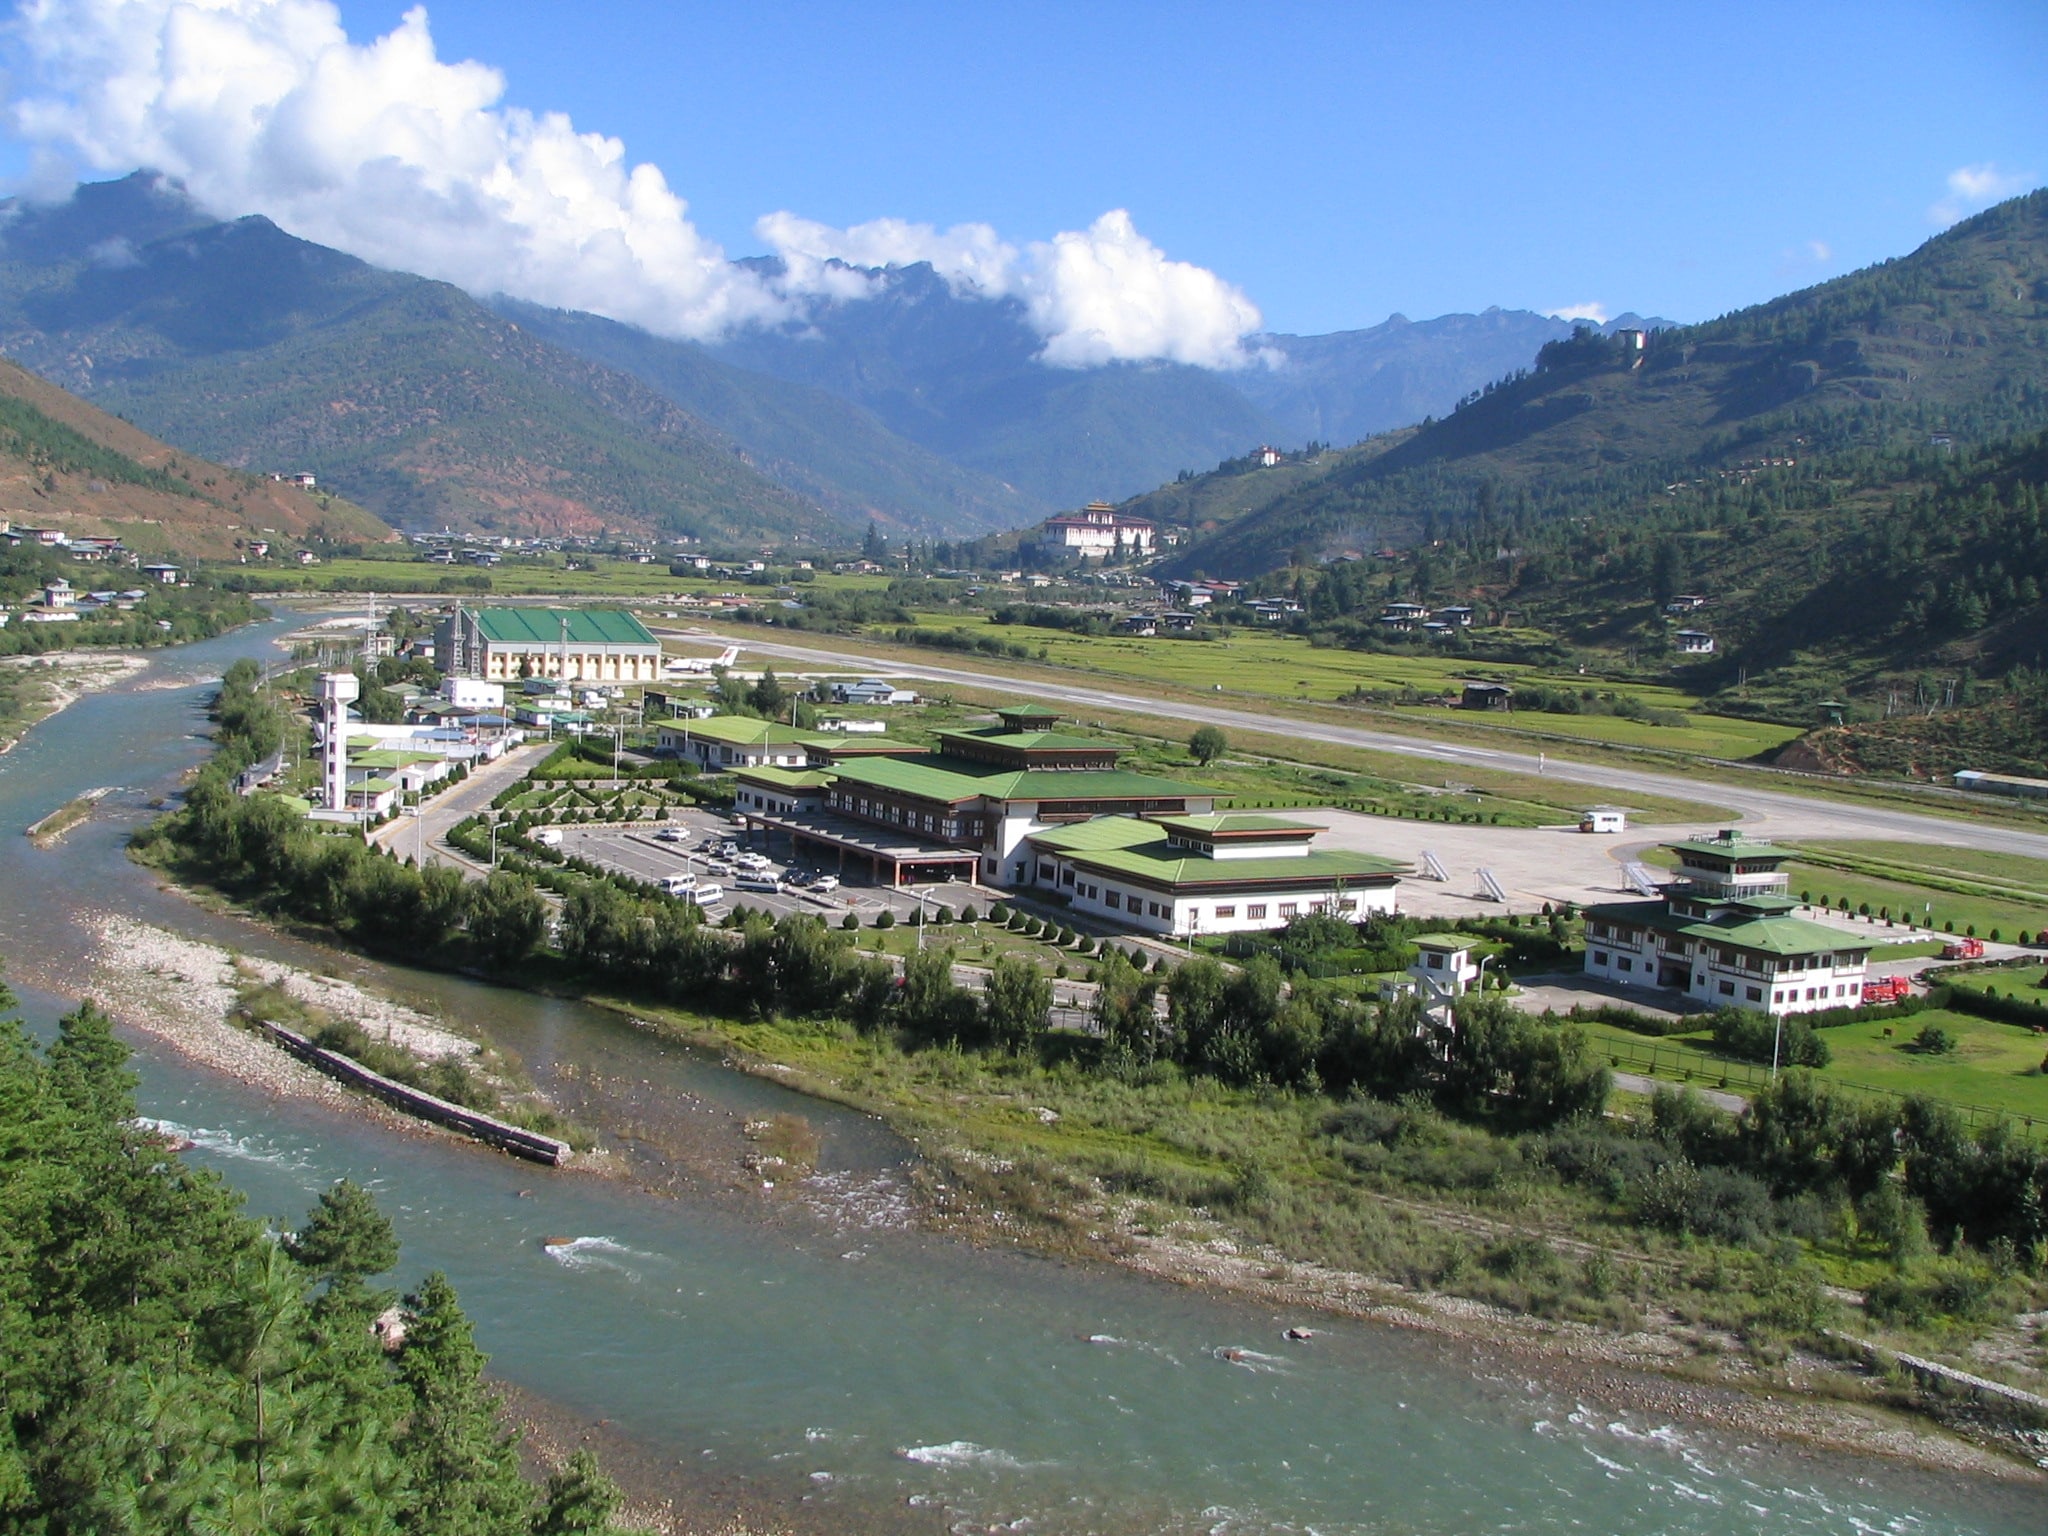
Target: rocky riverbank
column 49, row 683
column 186, row 993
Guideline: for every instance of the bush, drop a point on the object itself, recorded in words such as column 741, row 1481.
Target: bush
column 1933, row 1040
column 1750, row 1036
column 887, row 919
column 969, row 915
column 850, row 922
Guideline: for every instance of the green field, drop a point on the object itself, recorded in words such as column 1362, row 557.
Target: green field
column 623, row 579
column 1995, row 1066
column 1288, row 667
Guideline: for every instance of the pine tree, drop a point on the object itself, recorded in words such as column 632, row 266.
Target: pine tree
column 462, row 1464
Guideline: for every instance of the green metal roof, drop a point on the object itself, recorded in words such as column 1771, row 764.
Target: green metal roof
column 1445, row 941
column 738, row 731
column 1228, row 823
column 785, row 778
column 954, row 778
column 392, row 757
column 1131, row 846
column 1029, row 712
column 1035, row 741
column 374, row 786
column 543, row 626
column 1733, row 846
column 1738, row 930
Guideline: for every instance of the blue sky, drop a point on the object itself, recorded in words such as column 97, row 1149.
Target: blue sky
column 1332, row 163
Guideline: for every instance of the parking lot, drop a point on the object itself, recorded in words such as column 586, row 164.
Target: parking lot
column 696, row 844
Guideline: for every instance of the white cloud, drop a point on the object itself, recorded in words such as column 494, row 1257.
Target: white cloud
column 1592, row 310
column 379, row 149
column 385, row 150
column 1973, row 188
column 972, row 258
column 1100, row 295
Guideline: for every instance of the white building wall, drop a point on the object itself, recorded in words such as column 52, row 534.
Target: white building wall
column 1764, row 984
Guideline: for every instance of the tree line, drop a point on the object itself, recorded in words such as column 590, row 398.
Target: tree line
column 170, row 1365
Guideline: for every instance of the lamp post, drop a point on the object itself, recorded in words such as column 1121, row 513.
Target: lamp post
column 920, row 895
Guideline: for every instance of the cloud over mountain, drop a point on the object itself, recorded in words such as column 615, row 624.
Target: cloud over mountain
column 384, row 150
column 1100, row 295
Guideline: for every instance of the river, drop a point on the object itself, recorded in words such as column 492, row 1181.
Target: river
column 807, row 1345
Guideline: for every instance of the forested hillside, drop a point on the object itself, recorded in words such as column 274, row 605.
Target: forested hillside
column 68, row 465
column 168, row 1365
column 269, row 353
column 1950, row 342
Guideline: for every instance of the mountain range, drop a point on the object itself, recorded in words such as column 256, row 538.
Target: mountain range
column 921, row 409
column 68, row 465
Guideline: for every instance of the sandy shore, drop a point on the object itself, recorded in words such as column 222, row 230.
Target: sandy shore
column 65, row 678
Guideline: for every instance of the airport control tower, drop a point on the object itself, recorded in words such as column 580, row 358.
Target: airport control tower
column 338, row 690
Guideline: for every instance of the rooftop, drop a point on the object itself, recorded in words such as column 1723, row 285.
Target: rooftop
column 1771, row 935
column 785, row 778
column 1237, row 824
column 738, row 731
column 543, row 626
column 1732, row 845
column 955, row 778
column 1131, row 846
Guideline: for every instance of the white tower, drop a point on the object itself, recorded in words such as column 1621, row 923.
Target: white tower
column 337, row 691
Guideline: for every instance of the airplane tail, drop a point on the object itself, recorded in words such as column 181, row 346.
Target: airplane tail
column 727, row 656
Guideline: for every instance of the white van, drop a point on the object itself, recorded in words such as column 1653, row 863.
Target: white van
column 757, row 882
column 549, row 837
column 704, row 895
column 679, row 885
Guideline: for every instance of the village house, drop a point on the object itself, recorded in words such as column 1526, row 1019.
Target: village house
column 1487, row 696
column 1722, row 934
column 1694, row 642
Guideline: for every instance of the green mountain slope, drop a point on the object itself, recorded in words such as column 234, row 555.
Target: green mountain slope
column 266, row 352
column 960, row 376
column 66, row 464
column 1949, row 340
column 826, row 449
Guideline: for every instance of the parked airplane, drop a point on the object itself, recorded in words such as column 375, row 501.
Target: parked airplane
column 678, row 665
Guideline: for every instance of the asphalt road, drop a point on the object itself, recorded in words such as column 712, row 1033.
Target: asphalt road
column 1761, row 810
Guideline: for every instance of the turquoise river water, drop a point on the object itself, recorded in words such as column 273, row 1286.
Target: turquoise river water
column 813, row 1348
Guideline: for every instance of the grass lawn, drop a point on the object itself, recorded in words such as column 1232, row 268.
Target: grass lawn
column 1995, row 1067
column 1905, row 897
column 1288, row 667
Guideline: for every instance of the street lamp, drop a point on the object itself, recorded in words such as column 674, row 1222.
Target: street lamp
column 920, row 895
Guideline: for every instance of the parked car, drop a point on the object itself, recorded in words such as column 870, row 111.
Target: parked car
column 751, row 861
column 669, row 835
column 825, row 885
column 548, row 837
column 717, row 867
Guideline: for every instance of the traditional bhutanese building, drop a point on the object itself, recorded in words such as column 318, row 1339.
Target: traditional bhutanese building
column 1723, row 934
column 1195, row 874
column 589, row 645
column 1025, row 806
column 1098, row 531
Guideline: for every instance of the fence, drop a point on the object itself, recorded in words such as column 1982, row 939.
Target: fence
column 1680, row 1064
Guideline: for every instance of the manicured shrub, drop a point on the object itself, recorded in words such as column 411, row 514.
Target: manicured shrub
column 850, row 922
column 887, row 919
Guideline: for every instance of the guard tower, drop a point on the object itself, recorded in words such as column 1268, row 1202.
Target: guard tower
column 338, row 690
